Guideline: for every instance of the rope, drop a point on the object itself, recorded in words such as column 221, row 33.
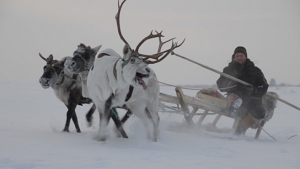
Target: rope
column 227, row 87
column 262, row 128
column 292, row 136
column 270, row 134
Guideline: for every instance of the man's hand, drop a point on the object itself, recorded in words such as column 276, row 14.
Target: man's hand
column 246, row 89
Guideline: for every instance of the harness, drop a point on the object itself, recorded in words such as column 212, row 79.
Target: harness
column 115, row 70
column 128, row 95
column 85, row 62
column 74, row 79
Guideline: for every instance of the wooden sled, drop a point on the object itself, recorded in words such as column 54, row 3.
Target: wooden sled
column 210, row 100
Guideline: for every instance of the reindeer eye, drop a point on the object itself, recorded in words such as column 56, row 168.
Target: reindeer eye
column 146, row 61
column 132, row 60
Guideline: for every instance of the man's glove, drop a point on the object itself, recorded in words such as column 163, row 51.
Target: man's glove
column 246, row 89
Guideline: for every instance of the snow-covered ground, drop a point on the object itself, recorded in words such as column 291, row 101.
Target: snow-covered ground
column 31, row 121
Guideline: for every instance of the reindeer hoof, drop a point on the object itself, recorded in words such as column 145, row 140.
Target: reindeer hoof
column 100, row 138
column 78, row 131
column 66, row 130
column 89, row 119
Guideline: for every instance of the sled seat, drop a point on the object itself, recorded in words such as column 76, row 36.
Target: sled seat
column 215, row 98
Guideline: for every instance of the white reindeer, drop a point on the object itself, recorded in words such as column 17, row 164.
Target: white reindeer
column 110, row 78
column 82, row 61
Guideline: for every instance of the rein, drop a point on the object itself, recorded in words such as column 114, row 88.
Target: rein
column 85, row 62
column 176, row 85
column 74, row 79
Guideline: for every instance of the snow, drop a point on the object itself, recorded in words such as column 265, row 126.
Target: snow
column 32, row 119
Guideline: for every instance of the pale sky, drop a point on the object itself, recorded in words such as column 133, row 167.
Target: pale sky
column 269, row 29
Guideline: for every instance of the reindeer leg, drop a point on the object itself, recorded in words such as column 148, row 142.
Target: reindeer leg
column 74, row 97
column 123, row 120
column 126, row 116
column 75, row 121
column 89, row 115
column 104, row 117
column 116, row 119
column 70, row 112
column 138, row 109
column 244, row 124
column 66, row 129
column 155, row 120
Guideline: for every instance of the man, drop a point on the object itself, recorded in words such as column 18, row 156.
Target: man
column 251, row 107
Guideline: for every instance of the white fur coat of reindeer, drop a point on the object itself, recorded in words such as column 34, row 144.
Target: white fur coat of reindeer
column 109, row 84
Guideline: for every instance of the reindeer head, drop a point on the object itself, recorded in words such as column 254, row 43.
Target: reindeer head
column 52, row 72
column 83, row 59
column 135, row 70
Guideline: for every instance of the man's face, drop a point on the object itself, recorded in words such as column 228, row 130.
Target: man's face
column 240, row 58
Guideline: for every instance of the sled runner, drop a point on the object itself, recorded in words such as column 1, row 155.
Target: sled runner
column 213, row 103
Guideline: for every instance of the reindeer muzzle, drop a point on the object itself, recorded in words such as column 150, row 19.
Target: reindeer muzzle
column 139, row 78
column 44, row 82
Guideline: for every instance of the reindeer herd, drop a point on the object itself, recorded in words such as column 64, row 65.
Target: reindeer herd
column 109, row 81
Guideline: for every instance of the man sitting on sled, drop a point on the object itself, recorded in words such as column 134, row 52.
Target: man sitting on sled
column 247, row 102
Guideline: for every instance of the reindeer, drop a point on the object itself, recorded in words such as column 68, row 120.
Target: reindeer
column 66, row 86
column 110, row 79
column 81, row 62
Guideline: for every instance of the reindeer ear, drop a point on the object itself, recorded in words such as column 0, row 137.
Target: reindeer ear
column 50, row 59
column 96, row 49
column 126, row 52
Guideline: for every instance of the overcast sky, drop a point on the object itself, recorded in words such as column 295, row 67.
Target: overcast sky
column 269, row 29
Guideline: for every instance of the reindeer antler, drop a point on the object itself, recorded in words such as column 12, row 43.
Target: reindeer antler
column 159, row 53
column 48, row 60
column 118, row 22
column 156, row 56
column 162, row 43
column 42, row 57
column 158, row 34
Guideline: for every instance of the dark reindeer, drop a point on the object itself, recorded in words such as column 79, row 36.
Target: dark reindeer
column 66, row 86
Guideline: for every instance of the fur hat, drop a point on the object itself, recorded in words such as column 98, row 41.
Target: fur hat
column 239, row 49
